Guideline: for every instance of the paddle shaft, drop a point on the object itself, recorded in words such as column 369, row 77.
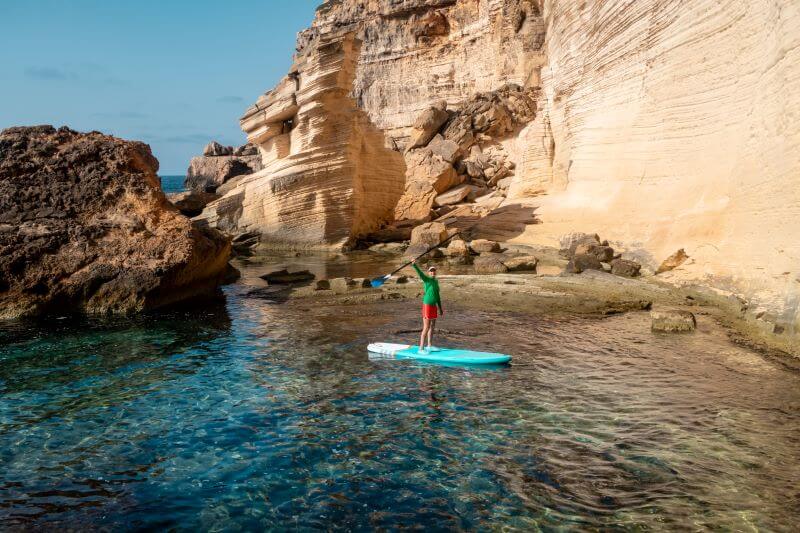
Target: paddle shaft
column 423, row 253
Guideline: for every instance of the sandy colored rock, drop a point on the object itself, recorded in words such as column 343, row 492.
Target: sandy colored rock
column 483, row 245
column 427, row 125
column 453, row 196
column 87, row 228
column 428, row 234
column 489, row 265
column 457, row 248
column 672, row 320
column 330, row 175
column 625, row 267
column 521, row 263
column 673, row 261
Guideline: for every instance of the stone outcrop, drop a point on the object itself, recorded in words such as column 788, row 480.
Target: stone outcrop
column 84, row 226
column 329, row 174
column 220, row 164
column 660, row 123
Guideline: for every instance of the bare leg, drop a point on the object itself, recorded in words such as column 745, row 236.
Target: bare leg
column 424, row 333
column 431, row 325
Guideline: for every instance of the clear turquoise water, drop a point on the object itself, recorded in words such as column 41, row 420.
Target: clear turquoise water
column 250, row 415
column 172, row 183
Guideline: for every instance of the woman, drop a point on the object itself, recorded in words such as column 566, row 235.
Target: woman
column 430, row 302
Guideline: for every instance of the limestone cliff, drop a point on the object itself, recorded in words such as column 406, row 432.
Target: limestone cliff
column 661, row 124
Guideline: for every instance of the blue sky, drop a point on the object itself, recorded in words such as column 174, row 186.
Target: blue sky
column 173, row 73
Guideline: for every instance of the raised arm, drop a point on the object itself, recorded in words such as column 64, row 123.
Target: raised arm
column 420, row 273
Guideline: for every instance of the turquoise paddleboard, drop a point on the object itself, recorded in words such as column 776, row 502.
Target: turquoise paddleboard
column 438, row 355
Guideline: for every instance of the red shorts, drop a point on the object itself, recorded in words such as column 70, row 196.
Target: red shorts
column 429, row 311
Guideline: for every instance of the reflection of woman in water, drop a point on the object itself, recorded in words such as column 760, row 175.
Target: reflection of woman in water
column 431, row 306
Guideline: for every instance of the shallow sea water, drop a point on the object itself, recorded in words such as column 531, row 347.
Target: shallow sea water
column 249, row 414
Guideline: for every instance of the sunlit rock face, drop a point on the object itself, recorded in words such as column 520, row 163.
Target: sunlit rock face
column 673, row 125
column 661, row 124
column 329, row 175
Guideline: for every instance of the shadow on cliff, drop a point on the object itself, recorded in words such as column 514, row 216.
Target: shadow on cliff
column 502, row 224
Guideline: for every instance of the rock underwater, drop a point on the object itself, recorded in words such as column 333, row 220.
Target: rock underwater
column 84, row 226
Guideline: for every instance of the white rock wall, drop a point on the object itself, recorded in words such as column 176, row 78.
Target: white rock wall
column 676, row 124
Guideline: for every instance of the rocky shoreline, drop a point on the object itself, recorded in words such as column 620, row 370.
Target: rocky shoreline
column 551, row 290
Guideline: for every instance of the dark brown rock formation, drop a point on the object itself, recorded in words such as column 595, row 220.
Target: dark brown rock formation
column 84, row 226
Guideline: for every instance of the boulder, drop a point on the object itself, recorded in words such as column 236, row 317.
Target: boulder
column 672, row 321
column 521, row 263
column 246, row 149
column 191, row 203
column 284, row 277
column 343, row 284
column 87, row 228
column 323, row 285
column 604, row 253
column 571, row 241
column 625, row 267
column 581, row 262
column 483, row 245
column 489, row 265
column 453, row 196
column 214, row 149
column 445, row 149
column 401, row 280
column 457, row 248
column 427, row 176
column 428, row 234
column 427, row 125
column 673, row 261
column 207, row 174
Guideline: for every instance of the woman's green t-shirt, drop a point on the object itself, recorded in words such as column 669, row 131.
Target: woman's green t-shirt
column 431, row 296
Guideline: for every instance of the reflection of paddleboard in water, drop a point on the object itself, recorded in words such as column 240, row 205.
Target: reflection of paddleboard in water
column 437, row 355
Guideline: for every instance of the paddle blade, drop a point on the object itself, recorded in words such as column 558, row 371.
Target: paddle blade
column 377, row 282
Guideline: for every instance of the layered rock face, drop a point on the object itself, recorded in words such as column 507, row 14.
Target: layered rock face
column 674, row 125
column 661, row 124
column 85, row 226
column 328, row 174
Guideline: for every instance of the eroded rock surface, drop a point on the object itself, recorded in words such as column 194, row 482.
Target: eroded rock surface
column 84, row 226
column 663, row 124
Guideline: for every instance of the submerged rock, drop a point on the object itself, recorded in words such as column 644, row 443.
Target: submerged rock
column 672, row 320
column 284, row 277
column 87, row 228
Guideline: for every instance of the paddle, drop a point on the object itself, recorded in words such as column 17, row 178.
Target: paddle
column 377, row 282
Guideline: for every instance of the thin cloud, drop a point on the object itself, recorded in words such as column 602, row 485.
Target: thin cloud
column 48, row 73
column 230, row 100
column 85, row 72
